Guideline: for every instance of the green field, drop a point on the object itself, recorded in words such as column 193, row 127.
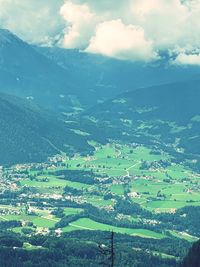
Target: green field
column 149, row 179
column 87, row 224
column 116, row 161
column 72, row 211
column 54, row 183
column 36, row 220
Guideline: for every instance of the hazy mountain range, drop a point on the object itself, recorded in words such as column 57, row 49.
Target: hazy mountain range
column 92, row 92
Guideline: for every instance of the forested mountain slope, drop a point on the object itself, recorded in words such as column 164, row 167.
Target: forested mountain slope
column 29, row 134
column 25, row 72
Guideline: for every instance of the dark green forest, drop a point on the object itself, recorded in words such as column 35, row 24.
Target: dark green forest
column 30, row 134
column 85, row 249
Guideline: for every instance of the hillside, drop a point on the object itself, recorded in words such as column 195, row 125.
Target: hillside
column 26, row 73
column 29, row 134
column 166, row 114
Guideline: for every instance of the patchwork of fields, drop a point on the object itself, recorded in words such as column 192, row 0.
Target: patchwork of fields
column 145, row 176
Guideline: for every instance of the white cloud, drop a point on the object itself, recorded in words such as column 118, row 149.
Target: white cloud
column 160, row 24
column 36, row 21
column 113, row 38
column 185, row 59
column 162, row 20
column 80, row 22
column 154, row 25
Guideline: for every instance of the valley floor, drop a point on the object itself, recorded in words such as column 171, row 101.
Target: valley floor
column 129, row 189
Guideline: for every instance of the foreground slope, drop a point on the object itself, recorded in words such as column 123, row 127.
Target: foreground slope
column 193, row 257
column 28, row 134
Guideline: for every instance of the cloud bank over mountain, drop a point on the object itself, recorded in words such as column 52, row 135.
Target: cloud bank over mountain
column 124, row 29
column 32, row 20
column 115, row 39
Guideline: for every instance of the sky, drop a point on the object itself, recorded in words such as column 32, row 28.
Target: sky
column 135, row 30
